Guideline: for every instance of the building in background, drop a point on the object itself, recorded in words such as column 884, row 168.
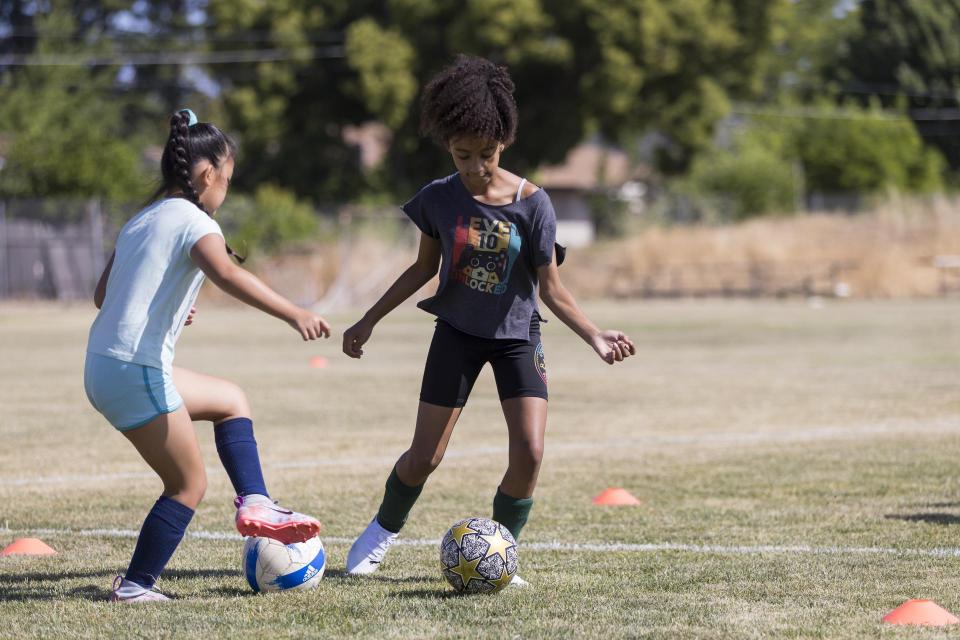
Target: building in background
column 591, row 171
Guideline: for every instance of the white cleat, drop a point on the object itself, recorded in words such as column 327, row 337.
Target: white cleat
column 368, row 550
column 517, row 581
column 131, row 593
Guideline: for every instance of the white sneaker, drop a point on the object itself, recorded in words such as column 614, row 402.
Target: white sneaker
column 130, row 593
column 517, row 581
column 368, row 550
column 259, row 516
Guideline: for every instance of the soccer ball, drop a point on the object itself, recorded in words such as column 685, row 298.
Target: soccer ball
column 273, row 566
column 478, row 555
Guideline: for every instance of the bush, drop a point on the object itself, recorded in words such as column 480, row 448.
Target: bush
column 829, row 149
column 746, row 181
column 272, row 219
column 610, row 214
column 866, row 151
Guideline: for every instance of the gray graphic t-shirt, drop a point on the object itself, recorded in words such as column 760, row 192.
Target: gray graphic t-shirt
column 488, row 277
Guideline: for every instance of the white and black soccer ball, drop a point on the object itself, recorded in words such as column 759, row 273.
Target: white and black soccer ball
column 273, row 566
column 478, row 555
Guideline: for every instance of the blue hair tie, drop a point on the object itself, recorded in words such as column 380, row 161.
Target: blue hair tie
column 193, row 116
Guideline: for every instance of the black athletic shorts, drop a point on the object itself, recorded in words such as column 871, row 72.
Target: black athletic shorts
column 455, row 359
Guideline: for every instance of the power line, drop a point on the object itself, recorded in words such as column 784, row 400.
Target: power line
column 889, row 90
column 814, row 113
column 241, row 56
column 204, row 35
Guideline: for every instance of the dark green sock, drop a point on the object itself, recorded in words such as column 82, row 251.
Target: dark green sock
column 398, row 499
column 511, row 512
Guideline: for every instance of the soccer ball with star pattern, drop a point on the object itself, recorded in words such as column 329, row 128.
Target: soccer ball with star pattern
column 478, row 555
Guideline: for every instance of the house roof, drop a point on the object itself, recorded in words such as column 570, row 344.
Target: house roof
column 584, row 166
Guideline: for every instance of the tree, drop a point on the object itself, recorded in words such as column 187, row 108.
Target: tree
column 62, row 127
column 75, row 117
column 810, row 39
column 580, row 66
column 300, row 71
column 908, row 53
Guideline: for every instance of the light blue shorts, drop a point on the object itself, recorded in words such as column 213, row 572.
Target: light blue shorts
column 128, row 395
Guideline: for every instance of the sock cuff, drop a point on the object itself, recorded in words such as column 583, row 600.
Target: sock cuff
column 172, row 512
column 504, row 499
column 395, row 484
column 233, row 430
column 392, row 528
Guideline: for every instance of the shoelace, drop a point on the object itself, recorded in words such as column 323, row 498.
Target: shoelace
column 238, row 502
column 381, row 548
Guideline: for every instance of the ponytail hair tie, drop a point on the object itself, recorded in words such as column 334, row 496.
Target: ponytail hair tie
column 193, row 116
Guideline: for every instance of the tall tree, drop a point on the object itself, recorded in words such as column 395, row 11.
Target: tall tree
column 59, row 122
column 908, row 52
column 580, row 66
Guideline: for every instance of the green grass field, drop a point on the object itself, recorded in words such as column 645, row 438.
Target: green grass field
column 796, row 467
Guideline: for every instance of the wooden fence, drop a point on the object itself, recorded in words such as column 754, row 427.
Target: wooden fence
column 44, row 259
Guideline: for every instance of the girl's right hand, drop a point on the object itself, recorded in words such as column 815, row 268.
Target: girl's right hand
column 309, row 325
column 355, row 337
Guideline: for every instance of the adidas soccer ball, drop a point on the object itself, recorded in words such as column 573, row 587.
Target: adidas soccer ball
column 273, row 566
column 478, row 555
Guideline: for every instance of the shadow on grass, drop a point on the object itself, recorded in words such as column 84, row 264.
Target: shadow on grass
column 226, row 592
column 340, row 574
column 88, row 592
column 202, row 573
column 20, row 578
column 431, row 594
column 932, row 518
column 12, row 589
column 941, row 505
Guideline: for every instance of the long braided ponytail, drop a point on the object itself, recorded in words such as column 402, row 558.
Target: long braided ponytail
column 187, row 145
column 179, row 147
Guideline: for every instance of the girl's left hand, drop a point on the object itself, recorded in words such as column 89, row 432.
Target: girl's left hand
column 193, row 312
column 613, row 346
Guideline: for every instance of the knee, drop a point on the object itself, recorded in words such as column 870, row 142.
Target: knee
column 190, row 491
column 235, row 402
column 422, row 463
column 530, row 454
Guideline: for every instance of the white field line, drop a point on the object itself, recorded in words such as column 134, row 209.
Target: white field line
column 575, row 547
column 711, row 439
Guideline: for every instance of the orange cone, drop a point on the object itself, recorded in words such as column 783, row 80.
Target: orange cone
column 27, row 547
column 318, row 362
column 616, row 496
column 925, row 612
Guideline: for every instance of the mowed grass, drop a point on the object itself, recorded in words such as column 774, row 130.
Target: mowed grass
column 829, row 434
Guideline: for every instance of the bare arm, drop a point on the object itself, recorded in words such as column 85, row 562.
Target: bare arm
column 611, row 345
column 101, row 291
column 415, row 276
column 210, row 254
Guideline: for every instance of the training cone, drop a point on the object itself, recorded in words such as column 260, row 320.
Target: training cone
column 925, row 612
column 27, row 547
column 616, row 496
column 318, row 362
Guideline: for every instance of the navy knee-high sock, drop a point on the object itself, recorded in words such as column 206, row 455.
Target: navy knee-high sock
column 160, row 534
column 238, row 452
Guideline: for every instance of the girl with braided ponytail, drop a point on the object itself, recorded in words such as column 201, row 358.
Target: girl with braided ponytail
column 146, row 296
column 491, row 235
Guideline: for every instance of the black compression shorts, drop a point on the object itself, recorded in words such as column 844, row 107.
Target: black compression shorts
column 455, row 359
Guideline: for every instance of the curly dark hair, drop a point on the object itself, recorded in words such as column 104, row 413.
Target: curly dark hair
column 473, row 97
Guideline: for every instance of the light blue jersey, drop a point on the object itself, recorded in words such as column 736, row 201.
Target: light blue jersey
column 152, row 285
